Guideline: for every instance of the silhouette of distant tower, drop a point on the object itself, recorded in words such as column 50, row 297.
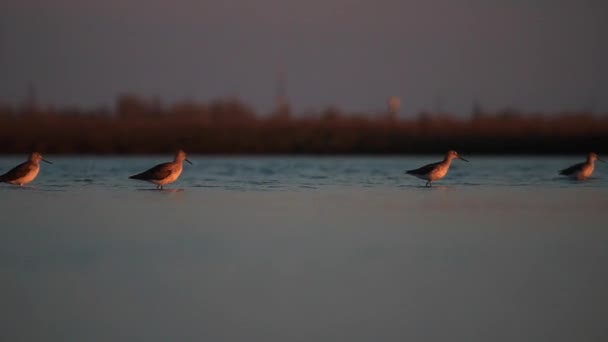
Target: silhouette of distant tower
column 393, row 105
column 31, row 96
column 30, row 100
column 282, row 102
column 591, row 105
column 476, row 110
column 438, row 104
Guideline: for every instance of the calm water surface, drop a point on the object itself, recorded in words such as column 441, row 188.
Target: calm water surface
column 304, row 249
column 292, row 173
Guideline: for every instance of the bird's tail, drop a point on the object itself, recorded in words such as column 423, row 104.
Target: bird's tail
column 137, row 176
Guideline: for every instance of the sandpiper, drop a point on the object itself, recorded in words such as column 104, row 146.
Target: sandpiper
column 435, row 171
column 584, row 170
column 25, row 172
column 164, row 173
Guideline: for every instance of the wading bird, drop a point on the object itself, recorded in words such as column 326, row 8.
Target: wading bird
column 435, row 171
column 165, row 173
column 26, row 172
column 584, row 170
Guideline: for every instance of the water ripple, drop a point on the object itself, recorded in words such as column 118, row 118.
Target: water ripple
column 272, row 173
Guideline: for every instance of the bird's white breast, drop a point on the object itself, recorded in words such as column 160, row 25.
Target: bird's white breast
column 176, row 171
column 439, row 172
column 28, row 178
column 585, row 172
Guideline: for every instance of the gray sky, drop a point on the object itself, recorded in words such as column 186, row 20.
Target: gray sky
column 534, row 55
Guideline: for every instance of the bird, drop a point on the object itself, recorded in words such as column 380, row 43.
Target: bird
column 435, row 171
column 582, row 171
column 26, row 172
column 164, row 173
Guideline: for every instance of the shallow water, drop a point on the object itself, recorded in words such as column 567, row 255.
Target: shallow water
column 304, row 249
column 292, row 173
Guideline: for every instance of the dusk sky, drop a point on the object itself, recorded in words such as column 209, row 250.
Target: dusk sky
column 541, row 55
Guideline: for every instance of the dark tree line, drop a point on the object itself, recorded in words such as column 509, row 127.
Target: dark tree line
column 228, row 126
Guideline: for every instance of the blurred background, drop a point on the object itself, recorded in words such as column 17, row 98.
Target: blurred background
column 304, row 77
column 308, row 248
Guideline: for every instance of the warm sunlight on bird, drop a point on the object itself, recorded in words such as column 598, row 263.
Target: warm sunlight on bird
column 165, row 173
column 24, row 173
column 435, row 171
column 582, row 171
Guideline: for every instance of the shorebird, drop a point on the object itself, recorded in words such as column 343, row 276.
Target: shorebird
column 25, row 172
column 435, row 171
column 584, row 170
column 164, row 173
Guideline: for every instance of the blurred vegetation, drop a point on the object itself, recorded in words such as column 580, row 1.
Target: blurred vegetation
column 228, row 126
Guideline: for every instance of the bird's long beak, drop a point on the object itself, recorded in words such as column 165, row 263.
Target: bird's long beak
column 459, row 157
column 602, row 160
column 189, row 162
column 46, row 161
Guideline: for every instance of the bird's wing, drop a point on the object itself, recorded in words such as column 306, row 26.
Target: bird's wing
column 160, row 171
column 572, row 169
column 17, row 172
column 423, row 170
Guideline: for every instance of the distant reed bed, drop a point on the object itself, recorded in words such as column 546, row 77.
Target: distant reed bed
column 231, row 127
